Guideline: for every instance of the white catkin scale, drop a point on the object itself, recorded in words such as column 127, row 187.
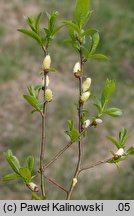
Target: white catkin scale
column 33, row 187
column 48, row 95
column 46, row 63
column 87, row 123
column 98, row 121
column 120, row 152
column 85, row 96
column 86, row 84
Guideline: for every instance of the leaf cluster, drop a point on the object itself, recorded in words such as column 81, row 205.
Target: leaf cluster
column 101, row 104
column 19, row 172
column 120, row 143
column 83, row 39
column 45, row 35
column 121, row 140
column 72, row 132
column 33, row 98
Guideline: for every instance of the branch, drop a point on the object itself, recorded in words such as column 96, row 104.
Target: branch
column 80, row 109
column 56, row 184
column 43, row 141
column 94, row 165
column 44, row 50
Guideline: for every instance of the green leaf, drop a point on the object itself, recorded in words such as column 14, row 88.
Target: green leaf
column 122, row 134
column 32, row 101
column 52, row 21
column 113, row 140
column 98, row 108
column 37, row 22
column 71, row 124
column 31, row 34
column 25, row 174
column 11, row 176
column 13, row 161
column 98, row 56
column 30, row 22
column 32, row 91
column 130, row 151
column 114, row 112
column 108, row 90
column 81, row 12
column 30, row 163
column 86, row 52
column 35, row 196
column 72, row 26
column 74, row 135
column 123, row 137
column 95, row 42
column 57, row 29
column 88, row 32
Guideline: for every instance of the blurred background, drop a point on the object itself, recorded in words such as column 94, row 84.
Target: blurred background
column 20, row 64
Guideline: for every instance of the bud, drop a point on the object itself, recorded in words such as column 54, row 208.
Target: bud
column 86, row 84
column 74, row 181
column 98, row 120
column 86, row 123
column 120, row 152
column 76, row 70
column 33, row 187
column 47, row 81
column 85, row 96
column 48, row 95
column 46, row 63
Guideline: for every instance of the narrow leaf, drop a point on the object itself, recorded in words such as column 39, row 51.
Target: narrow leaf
column 130, row 151
column 53, row 20
column 31, row 34
column 11, row 176
column 99, row 56
column 32, row 101
column 25, row 173
column 95, row 42
column 13, row 161
column 72, row 25
column 114, row 112
column 30, row 163
column 37, row 22
column 113, row 140
column 57, row 29
column 88, row 32
column 81, row 12
column 108, row 90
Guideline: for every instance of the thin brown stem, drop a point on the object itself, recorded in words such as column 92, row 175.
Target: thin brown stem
column 56, row 184
column 57, row 155
column 44, row 50
column 80, row 109
column 43, row 141
column 94, row 165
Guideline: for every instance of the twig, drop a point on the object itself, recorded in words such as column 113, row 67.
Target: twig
column 56, row 184
column 43, row 141
column 57, row 156
column 80, row 109
column 94, row 165
column 44, row 50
